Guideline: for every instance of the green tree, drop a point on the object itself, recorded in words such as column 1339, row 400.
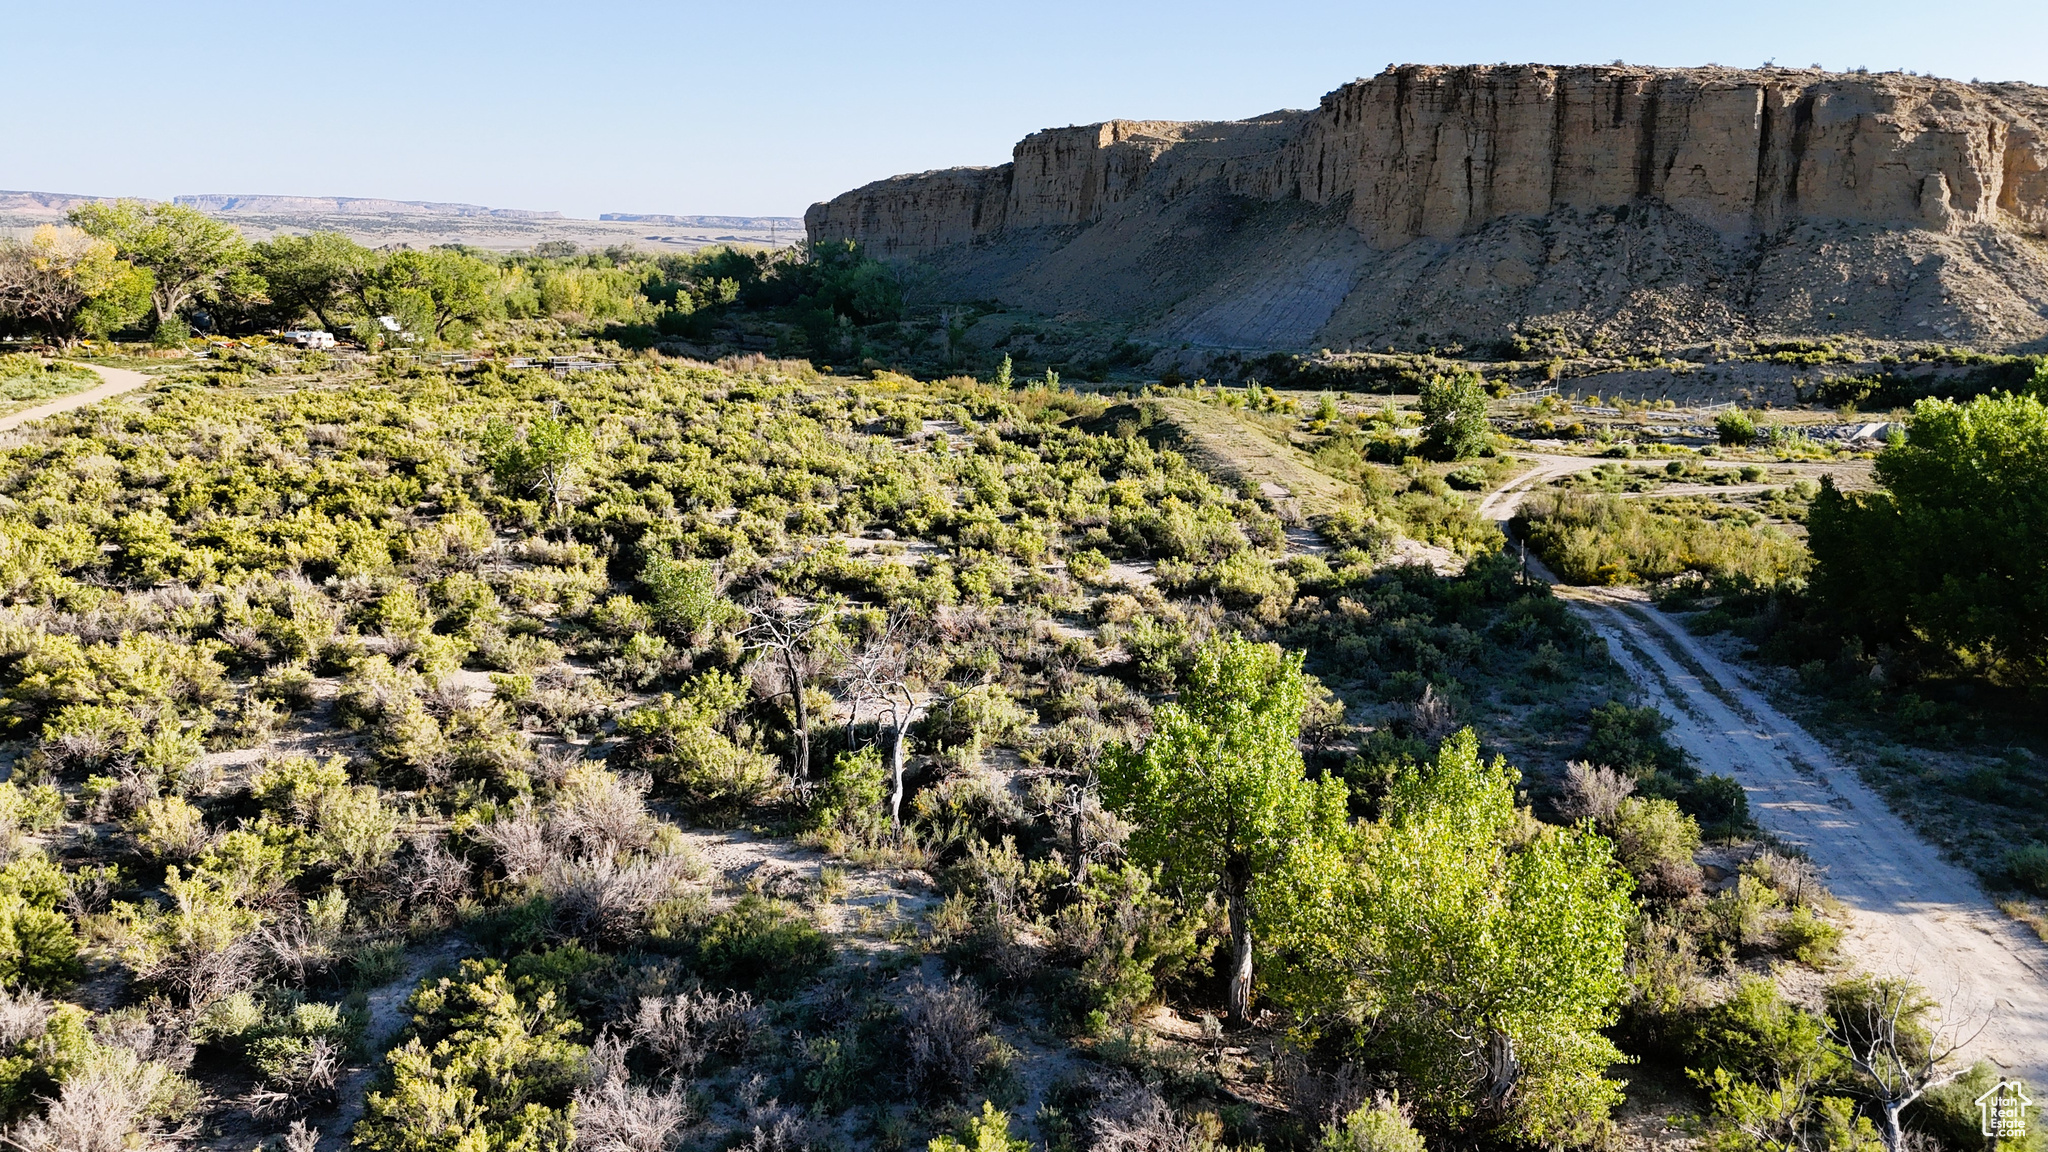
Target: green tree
column 1487, row 954
column 548, row 459
column 434, row 288
column 67, row 282
column 1454, row 423
column 1219, row 793
column 316, row 274
column 191, row 255
column 1950, row 556
column 1005, row 377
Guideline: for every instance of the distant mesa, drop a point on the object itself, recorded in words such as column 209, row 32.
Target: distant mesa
column 1457, row 204
column 789, row 224
column 233, row 205
column 51, row 203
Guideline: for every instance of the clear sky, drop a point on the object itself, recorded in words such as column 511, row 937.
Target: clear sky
column 762, row 108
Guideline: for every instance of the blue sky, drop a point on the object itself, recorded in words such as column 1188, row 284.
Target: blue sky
column 763, row 108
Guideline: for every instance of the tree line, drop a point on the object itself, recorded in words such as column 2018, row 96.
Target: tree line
column 160, row 269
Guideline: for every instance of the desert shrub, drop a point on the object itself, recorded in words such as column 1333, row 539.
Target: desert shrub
column 972, row 719
column 1593, row 793
column 946, row 1034
column 485, row 1065
column 988, row 1132
column 1632, row 740
column 1381, row 1126
column 1248, row 580
column 1807, row 938
column 1719, row 804
column 851, row 798
column 1351, row 529
column 1087, row 565
column 199, row 947
column 41, row 1044
column 2026, row 868
column 762, row 944
column 683, row 594
column 1735, row 428
column 229, row 1019
column 298, row 1051
column 38, row 946
column 171, row 828
column 1741, row 915
column 613, row 1114
column 1594, row 538
column 597, row 812
column 1122, row 936
column 1468, row 478
column 34, row 808
column 1757, row 1035
column 641, row 660
column 1949, row 1114
column 679, row 742
column 684, row 1031
column 1656, row 842
column 608, row 898
column 112, row 1099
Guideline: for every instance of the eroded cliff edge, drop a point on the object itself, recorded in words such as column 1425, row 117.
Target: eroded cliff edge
column 1433, row 204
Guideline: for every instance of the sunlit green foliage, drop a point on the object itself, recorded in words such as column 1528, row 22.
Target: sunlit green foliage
column 1604, row 539
column 486, row 1066
column 1949, row 556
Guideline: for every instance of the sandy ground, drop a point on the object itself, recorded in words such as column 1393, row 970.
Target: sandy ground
column 387, row 1019
column 1911, row 912
column 118, row 380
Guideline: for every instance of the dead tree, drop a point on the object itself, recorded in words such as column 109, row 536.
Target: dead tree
column 879, row 674
column 781, row 629
column 1879, row 1022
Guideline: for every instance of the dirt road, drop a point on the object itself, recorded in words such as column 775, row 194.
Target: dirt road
column 118, row 380
column 1500, row 504
column 1911, row 912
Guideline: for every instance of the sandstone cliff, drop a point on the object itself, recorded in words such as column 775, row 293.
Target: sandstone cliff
column 1431, row 203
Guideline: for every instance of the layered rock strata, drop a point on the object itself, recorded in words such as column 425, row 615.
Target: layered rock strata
column 1423, row 164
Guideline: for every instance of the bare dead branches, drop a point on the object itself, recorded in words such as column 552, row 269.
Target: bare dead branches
column 780, row 627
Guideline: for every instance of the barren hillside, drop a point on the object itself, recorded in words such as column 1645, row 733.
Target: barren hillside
column 1438, row 205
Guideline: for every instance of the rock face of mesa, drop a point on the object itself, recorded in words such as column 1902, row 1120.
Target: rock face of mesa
column 1460, row 203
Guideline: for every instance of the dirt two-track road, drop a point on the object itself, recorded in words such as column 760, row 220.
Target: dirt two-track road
column 1912, row 913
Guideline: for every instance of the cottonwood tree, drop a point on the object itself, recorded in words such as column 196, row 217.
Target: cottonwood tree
column 549, row 459
column 1490, row 961
column 317, row 273
column 438, row 288
column 1948, row 557
column 780, row 628
column 1454, row 423
column 65, row 282
column 191, row 255
column 1219, row 793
